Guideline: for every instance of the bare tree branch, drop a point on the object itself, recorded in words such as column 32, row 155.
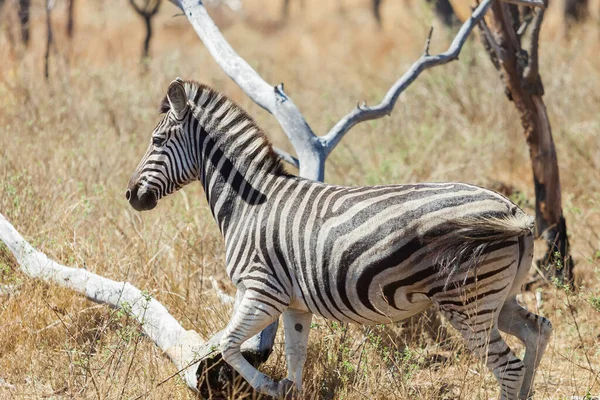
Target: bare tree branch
column 360, row 114
column 180, row 345
column 147, row 12
column 272, row 99
column 287, row 157
column 491, row 45
column 428, row 42
column 185, row 348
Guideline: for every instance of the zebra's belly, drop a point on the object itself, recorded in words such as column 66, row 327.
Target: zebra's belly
column 407, row 305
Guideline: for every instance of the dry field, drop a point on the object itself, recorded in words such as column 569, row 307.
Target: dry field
column 68, row 147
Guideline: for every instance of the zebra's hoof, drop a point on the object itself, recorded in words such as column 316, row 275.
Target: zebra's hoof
column 286, row 389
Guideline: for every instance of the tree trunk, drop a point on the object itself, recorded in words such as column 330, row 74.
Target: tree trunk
column 377, row 11
column 24, row 6
column 575, row 11
column 523, row 85
column 70, row 21
column 49, row 38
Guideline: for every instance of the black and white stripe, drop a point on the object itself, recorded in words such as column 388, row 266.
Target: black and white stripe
column 367, row 255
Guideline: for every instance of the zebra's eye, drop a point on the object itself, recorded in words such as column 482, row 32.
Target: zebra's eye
column 157, row 141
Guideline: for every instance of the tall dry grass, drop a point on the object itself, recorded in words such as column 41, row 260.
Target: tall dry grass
column 69, row 145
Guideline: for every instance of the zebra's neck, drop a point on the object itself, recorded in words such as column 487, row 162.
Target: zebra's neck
column 235, row 158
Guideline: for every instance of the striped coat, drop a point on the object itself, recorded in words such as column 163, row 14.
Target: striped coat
column 367, row 255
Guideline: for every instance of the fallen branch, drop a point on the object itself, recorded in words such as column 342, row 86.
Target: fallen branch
column 184, row 347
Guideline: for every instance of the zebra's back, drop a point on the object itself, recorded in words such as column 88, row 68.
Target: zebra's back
column 367, row 254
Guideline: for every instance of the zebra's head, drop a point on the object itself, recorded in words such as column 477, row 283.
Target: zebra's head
column 168, row 164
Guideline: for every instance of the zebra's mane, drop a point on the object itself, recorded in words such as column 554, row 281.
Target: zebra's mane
column 206, row 99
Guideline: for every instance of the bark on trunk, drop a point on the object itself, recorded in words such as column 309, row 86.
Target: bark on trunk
column 519, row 72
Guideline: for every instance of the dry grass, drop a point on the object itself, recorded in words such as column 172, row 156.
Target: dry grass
column 68, row 147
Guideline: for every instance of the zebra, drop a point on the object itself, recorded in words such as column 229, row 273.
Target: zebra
column 367, row 255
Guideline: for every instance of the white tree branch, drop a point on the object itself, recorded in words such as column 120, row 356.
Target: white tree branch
column 272, row 99
column 364, row 113
column 184, row 347
column 287, row 157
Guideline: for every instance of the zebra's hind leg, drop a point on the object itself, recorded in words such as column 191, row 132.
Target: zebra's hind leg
column 255, row 312
column 534, row 331
column 297, row 328
column 483, row 338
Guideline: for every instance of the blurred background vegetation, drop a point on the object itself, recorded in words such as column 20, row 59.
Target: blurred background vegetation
column 69, row 143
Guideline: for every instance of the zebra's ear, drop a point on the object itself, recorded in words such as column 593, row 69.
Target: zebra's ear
column 177, row 97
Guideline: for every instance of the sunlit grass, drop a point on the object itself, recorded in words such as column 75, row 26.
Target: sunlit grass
column 68, row 146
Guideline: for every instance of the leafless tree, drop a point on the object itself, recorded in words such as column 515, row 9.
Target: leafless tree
column 49, row 37
column 147, row 9
column 24, row 10
column 70, row 20
column 519, row 71
column 198, row 361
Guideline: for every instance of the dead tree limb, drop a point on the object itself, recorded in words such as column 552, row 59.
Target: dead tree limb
column 185, row 348
column 312, row 150
column 519, row 71
column 146, row 11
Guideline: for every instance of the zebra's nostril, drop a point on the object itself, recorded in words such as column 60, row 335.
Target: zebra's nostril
column 128, row 194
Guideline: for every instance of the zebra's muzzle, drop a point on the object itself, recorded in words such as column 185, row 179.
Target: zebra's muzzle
column 146, row 200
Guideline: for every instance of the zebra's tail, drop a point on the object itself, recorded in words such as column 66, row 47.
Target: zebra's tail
column 469, row 239
column 486, row 228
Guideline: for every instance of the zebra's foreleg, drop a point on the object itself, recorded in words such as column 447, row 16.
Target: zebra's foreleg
column 534, row 331
column 297, row 328
column 483, row 338
column 254, row 313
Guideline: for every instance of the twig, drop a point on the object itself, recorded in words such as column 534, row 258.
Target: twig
column 287, row 157
column 428, row 42
column 55, row 323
